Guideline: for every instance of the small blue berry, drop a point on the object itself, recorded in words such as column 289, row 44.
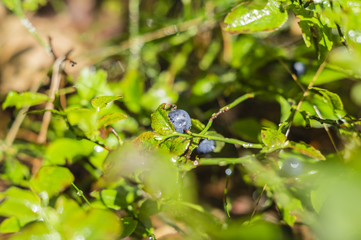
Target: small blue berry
column 206, row 146
column 180, row 120
column 299, row 69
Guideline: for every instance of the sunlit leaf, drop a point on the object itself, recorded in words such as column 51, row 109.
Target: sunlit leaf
column 331, row 98
column 52, row 180
column 110, row 119
column 20, row 203
column 197, row 124
column 92, row 83
column 65, row 150
column 160, row 121
column 108, row 197
column 248, row 18
column 14, row 99
column 306, row 149
column 272, row 138
column 100, row 102
column 10, row 225
column 148, row 140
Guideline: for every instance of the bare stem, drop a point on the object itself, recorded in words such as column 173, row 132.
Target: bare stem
column 54, row 86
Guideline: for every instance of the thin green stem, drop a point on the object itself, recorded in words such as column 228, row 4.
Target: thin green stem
column 80, row 193
column 216, row 138
column 225, row 161
column 229, row 140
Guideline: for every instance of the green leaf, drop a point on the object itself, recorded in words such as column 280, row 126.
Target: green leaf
column 76, row 222
column 273, row 139
column 129, row 226
column 110, row 119
column 160, row 121
column 16, row 172
column 148, row 140
column 109, row 196
column 42, row 111
column 315, row 32
column 52, row 180
column 92, row 83
column 100, row 102
column 176, row 145
column 306, row 149
column 36, row 230
column 14, row 99
column 133, row 84
column 247, row 18
column 64, row 150
column 331, row 98
column 20, row 203
column 290, row 209
column 10, row 225
column 197, row 124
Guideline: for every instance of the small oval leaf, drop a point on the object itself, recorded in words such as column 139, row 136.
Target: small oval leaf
column 160, row 121
column 110, row 119
column 247, row 18
column 273, row 139
column 100, row 102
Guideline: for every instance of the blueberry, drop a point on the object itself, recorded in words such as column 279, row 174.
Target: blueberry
column 292, row 167
column 206, row 146
column 180, row 120
column 299, row 69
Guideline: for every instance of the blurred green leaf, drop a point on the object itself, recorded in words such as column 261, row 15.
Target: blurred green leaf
column 249, row 17
column 102, row 101
column 108, row 197
column 65, row 150
column 52, row 180
column 332, row 98
column 129, row 225
column 110, row 119
column 306, row 149
column 16, row 172
column 14, row 99
column 134, row 85
column 75, row 222
column 176, row 145
column 10, row 225
column 160, row 121
column 35, row 230
column 92, row 83
column 158, row 94
column 21, row 204
column 247, row 128
column 147, row 140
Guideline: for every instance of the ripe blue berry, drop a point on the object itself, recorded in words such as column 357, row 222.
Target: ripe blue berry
column 206, row 146
column 180, row 120
column 299, row 69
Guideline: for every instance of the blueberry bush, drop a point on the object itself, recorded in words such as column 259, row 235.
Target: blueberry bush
column 198, row 120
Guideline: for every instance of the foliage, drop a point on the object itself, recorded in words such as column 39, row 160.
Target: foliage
column 139, row 170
